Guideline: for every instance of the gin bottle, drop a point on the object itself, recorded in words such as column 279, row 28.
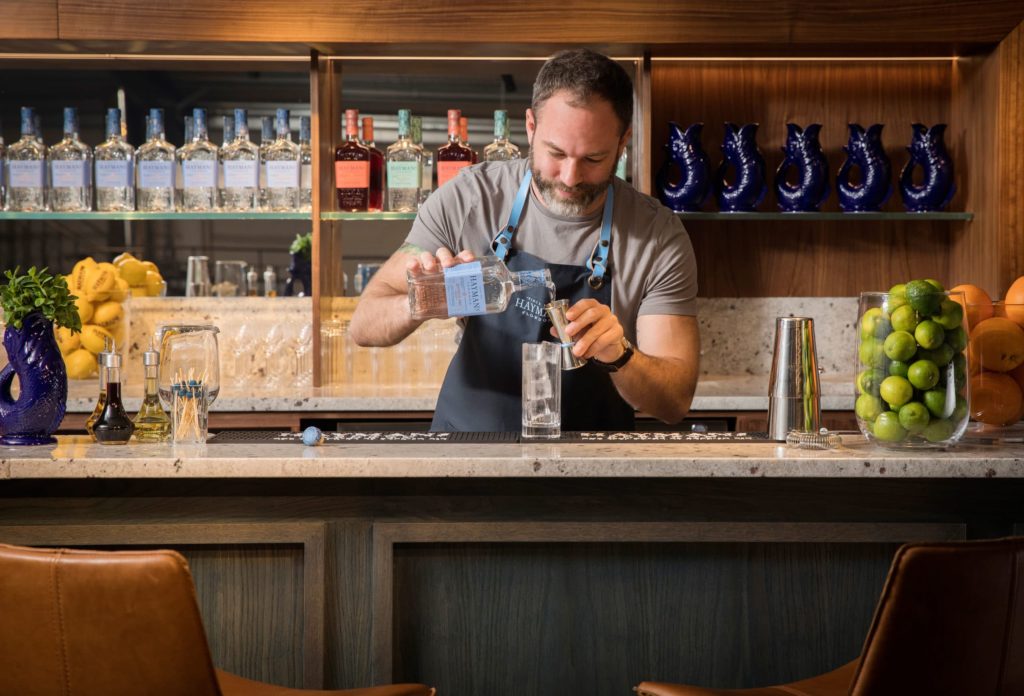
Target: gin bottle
column 464, row 136
column 70, row 166
column 179, row 179
column 427, row 180
column 405, row 169
column 467, row 289
column 266, row 140
column 154, row 162
column 376, row 202
column 306, row 165
column 283, row 168
column 26, row 168
column 501, row 149
column 228, row 131
column 115, row 168
column 198, row 168
column 240, row 163
column 453, row 155
column 352, row 168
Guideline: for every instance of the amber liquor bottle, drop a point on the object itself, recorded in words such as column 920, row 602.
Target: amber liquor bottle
column 376, row 203
column 453, row 155
column 464, row 135
column 352, row 168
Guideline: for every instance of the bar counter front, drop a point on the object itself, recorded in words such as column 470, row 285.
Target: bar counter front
column 520, row 568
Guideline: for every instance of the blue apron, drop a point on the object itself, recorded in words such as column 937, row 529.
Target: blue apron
column 482, row 390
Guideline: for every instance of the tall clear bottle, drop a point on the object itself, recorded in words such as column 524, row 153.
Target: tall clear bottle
column 376, row 201
column 240, row 163
column 198, row 168
column 283, row 168
column 154, row 164
column 179, row 178
column 228, row 131
column 453, row 155
column 352, row 168
column 25, row 166
column 152, row 423
column 404, row 168
column 501, row 149
column 306, row 164
column 467, row 289
column 115, row 169
column 70, row 163
column 266, row 140
column 427, row 180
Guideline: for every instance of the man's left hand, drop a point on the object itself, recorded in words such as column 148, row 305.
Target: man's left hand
column 595, row 330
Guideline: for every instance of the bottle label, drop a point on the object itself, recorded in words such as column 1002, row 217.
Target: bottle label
column 27, row 174
column 464, row 288
column 240, row 174
column 403, row 175
column 156, row 175
column 283, row 174
column 113, row 174
column 306, row 176
column 199, row 174
column 352, row 175
column 69, row 174
column 447, row 171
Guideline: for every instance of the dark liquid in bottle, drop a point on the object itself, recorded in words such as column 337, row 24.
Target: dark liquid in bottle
column 113, row 426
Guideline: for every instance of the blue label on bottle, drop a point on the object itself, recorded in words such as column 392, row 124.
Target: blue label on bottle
column 464, row 288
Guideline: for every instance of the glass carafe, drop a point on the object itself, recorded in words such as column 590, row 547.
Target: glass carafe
column 189, row 354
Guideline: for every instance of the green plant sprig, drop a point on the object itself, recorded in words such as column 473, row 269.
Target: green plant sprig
column 38, row 291
column 303, row 244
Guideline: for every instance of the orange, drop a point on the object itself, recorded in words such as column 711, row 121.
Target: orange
column 979, row 304
column 999, row 344
column 995, row 398
column 1018, row 376
column 1014, row 299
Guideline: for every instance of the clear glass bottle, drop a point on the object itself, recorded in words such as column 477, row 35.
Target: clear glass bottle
column 70, row 163
column 453, row 155
column 240, row 165
column 115, row 169
column 306, row 165
column 270, row 282
column 179, row 178
column 154, row 164
column 427, row 180
column 376, row 200
column 101, row 401
column 352, row 168
column 251, row 282
column 464, row 136
column 266, row 140
column 404, row 168
column 228, row 132
column 152, row 424
column 283, row 168
column 112, row 427
column 501, row 150
column 481, row 287
column 25, row 166
column 198, row 168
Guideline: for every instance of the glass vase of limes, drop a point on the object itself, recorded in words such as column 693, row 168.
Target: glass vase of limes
column 912, row 385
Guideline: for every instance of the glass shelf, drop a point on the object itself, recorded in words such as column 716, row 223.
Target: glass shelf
column 155, row 216
column 827, row 217
column 367, row 216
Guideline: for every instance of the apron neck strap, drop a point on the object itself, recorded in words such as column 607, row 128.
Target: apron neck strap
column 503, row 241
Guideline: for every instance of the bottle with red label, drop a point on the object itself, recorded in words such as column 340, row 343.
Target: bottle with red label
column 352, row 168
column 376, row 203
column 464, row 135
column 453, row 155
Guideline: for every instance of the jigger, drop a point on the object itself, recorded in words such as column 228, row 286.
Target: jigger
column 556, row 313
column 794, row 392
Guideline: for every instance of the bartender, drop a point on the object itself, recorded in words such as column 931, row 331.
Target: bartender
column 622, row 259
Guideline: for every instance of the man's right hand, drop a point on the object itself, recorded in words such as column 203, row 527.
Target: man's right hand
column 431, row 263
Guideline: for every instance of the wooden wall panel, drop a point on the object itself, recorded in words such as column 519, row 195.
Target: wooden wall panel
column 745, row 259
column 28, row 19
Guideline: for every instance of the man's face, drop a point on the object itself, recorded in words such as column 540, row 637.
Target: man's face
column 573, row 152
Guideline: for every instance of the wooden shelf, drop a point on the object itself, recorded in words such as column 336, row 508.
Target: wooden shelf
column 154, row 216
column 828, row 217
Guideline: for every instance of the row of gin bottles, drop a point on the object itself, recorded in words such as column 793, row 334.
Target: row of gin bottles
column 275, row 175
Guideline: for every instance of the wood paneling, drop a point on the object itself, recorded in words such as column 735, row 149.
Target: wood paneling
column 746, row 259
column 28, row 19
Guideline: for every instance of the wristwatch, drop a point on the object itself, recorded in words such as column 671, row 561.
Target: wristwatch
column 616, row 365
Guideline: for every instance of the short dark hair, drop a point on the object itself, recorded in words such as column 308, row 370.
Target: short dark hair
column 585, row 73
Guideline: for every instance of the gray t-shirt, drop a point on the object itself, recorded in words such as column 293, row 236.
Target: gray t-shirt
column 651, row 263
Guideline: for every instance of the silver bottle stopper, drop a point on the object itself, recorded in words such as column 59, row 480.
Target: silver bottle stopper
column 556, row 313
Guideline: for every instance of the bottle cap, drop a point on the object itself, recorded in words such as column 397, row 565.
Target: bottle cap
column 151, row 356
column 109, row 357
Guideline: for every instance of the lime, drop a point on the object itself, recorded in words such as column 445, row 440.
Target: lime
column 940, row 356
column 871, row 352
column 868, row 407
column 897, row 297
column 956, row 338
column 950, row 316
column 899, row 368
column 960, row 410
column 868, row 381
column 938, row 430
column 914, row 416
column 899, row 345
column 923, row 374
column 929, row 334
column 904, row 318
column 959, row 371
column 874, row 324
column 935, row 284
column 935, row 400
column 923, row 297
column 887, row 427
column 896, row 391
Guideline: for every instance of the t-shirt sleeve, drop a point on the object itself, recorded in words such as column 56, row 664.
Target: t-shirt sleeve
column 671, row 287
column 442, row 216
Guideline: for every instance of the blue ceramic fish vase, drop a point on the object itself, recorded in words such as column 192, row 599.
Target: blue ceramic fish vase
column 36, row 361
column 685, row 155
column 803, row 153
column 864, row 151
column 741, row 155
column 928, row 151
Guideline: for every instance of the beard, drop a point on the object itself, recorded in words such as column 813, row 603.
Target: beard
column 583, row 194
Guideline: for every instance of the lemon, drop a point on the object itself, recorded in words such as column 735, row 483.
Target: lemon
column 94, row 338
column 150, row 266
column 108, row 315
column 122, row 257
column 139, row 291
column 133, row 271
column 67, row 340
column 154, row 283
column 80, row 364
column 120, row 291
column 79, row 271
column 99, row 281
column 85, row 309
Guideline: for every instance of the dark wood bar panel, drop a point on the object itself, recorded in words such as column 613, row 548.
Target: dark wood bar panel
column 28, row 19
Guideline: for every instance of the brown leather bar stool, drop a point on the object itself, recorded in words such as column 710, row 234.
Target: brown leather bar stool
column 950, row 621
column 121, row 623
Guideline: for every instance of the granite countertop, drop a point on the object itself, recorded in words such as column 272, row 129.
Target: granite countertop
column 77, row 457
column 714, row 393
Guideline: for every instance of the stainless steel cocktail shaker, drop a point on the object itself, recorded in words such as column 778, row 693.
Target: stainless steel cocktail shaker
column 794, row 392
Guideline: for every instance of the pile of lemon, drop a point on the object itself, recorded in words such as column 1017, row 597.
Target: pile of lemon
column 101, row 289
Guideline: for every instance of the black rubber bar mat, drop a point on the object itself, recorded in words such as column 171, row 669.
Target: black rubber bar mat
column 403, row 436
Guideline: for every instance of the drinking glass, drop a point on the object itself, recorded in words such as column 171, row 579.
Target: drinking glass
column 542, row 390
column 188, row 356
column 197, row 277
column 229, row 279
column 189, row 414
